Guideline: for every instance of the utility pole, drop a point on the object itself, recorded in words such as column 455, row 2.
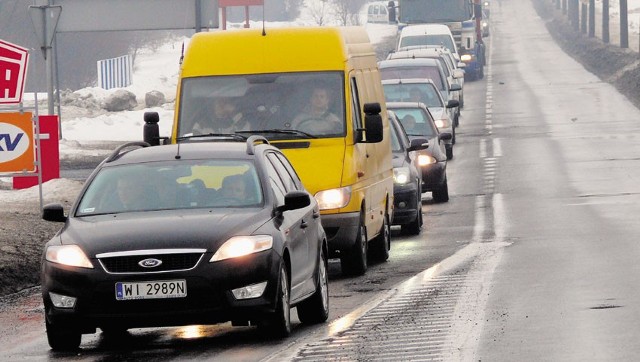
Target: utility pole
column 605, row 21
column 624, row 25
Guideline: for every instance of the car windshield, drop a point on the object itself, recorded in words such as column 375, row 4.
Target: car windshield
column 433, row 39
column 416, row 122
column 275, row 106
column 172, row 185
column 406, row 72
column 413, row 92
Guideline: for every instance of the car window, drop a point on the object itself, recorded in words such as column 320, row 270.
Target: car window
column 432, row 39
column 416, row 122
column 395, row 141
column 413, row 92
column 283, row 173
column 172, row 185
column 405, row 72
column 292, row 172
column 275, row 183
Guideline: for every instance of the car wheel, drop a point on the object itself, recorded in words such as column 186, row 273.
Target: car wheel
column 354, row 262
column 62, row 338
column 413, row 228
column 441, row 194
column 382, row 243
column 449, row 150
column 278, row 324
column 316, row 308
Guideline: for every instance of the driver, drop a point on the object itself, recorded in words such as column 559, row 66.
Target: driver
column 316, row 117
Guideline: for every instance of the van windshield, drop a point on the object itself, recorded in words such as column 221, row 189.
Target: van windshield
column 277, row 106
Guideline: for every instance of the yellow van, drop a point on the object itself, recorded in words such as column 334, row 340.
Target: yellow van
column 313, row 92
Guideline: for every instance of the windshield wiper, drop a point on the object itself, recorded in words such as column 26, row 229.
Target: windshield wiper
column 281, row 131
column 223, row 136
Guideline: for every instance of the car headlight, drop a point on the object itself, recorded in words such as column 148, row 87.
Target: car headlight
column 466, row 57
column 334, row 198
column 239, row 246
column 69, row 255
column 443, row 123
column 401, row 175
column 484, row 24
column 424, row 160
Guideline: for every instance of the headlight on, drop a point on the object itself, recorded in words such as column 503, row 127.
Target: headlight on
column 334, row 198
column 239, row 246
column 70, row 255
column 484, row 24
column 401, row 175
column 443, row 123
column 424, row 160
column 466, row 58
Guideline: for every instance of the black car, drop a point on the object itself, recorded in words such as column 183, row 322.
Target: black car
column 407, row 178
column 194, row 233
column 419, row 123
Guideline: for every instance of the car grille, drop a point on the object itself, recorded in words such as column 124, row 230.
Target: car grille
column 131, row 263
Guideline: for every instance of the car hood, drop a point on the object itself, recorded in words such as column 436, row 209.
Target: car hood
column 203, row 229
column 399, row 160
column 437, row 112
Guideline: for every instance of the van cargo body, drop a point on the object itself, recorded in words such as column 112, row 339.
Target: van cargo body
column 270, row 77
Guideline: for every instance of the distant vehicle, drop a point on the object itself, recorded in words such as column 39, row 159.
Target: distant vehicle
column 381, row 12
column 427, row 34
column 195, row 233
column 418, row 123
column 424, row 68
column 407, row 177
column 404, row 90
column 454, row 74
column 485, row 24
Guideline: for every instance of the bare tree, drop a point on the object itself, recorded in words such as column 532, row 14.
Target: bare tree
column 347, row 11
column 318, row 11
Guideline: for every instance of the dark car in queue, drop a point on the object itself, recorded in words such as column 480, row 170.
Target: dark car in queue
column 407, row 178
column 193, row 233
column 418, row 123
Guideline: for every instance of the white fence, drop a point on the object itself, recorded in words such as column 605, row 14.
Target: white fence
column 115, row 72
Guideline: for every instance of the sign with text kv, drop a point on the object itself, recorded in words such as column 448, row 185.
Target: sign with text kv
column 13, row 72
column 17, row 150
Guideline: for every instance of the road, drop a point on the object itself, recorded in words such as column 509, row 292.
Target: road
column 533, row 258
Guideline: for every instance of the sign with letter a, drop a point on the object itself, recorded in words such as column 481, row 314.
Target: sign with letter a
column 13, row 72
column 17, row 151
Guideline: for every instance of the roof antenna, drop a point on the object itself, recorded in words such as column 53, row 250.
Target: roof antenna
column 264, row 33
column 178, row 152
column 182, row 53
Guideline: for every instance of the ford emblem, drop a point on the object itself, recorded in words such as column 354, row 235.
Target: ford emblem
column 150, row 263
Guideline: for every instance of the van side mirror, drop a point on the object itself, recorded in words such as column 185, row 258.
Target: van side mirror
column 372, row 123
column 151, row 130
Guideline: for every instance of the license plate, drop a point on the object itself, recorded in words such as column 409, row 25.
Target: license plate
column 151, row 290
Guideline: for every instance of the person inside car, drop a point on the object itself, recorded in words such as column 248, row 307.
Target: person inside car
column 316, row 117
column 225, row 119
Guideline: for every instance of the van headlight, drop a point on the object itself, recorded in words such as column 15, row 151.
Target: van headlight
column 69, row 255
column 466, row 58
column 401, row 175
column 239, row 246
column 334, row 198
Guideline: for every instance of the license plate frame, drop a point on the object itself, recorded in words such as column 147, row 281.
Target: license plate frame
column 154, row 289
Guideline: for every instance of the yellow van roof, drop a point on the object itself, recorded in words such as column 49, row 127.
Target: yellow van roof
column 248, row 51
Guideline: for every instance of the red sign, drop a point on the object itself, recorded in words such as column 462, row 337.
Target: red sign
column 49, row 152
column 13, row 72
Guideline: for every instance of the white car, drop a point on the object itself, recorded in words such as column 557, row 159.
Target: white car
column 406, row 90
column 427, row 34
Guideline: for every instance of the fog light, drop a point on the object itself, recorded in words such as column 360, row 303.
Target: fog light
column 62, row 301
column 402, row 205
column 250, row 291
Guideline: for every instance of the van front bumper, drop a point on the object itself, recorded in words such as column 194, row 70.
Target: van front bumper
column 341, row 230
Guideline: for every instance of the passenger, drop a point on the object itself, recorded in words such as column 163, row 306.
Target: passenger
column 316, row 117
column 233, row 189
column 226, row 118
column 133, row 195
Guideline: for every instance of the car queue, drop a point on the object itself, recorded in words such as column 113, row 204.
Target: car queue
column 206, row 256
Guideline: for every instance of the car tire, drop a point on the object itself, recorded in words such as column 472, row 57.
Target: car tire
column 62, row 338
column 278, row 323
column 316, row 308
column 354, row 262
column 441, row 194
column 414, row 227
column 382, row 243
column 449, row 151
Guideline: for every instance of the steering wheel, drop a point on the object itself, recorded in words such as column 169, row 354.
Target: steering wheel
column 312, row 125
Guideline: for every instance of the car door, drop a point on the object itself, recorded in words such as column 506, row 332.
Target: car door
column 301, row 227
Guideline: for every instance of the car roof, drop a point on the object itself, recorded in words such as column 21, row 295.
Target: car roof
column 417, row 62
column 424, row 28
column 184, row 150
column 408, row 81
column 396, row 105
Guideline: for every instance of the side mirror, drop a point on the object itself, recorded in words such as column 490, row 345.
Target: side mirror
column 458, row 73
column 453, row 103
column 295, row 200
column 462, row 65
column 455, row 87
column 445, row 136
column 418, row 144
column 53, row 212
column 151, row 130
column 373, row 130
